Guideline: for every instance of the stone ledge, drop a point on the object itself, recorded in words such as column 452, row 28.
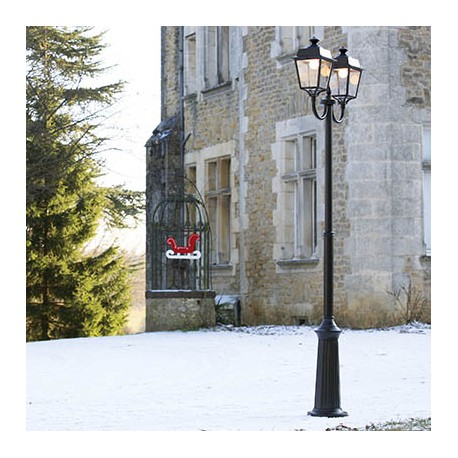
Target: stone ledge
column 179, row 293
column 292, row 263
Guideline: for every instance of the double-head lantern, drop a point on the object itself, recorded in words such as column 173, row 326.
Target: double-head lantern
column 318, row 71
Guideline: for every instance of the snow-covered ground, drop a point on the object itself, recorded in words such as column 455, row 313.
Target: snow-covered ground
column 223, row 379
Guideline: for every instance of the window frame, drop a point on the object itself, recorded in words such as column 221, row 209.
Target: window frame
column 218, row 199
column 298, row 36
column 216, row 56
column 303, row 179
column 190, row 62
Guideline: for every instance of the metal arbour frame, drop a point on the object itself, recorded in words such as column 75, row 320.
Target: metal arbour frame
column 178, row 216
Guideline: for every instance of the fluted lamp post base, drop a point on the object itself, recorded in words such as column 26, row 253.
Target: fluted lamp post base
column 327, row 390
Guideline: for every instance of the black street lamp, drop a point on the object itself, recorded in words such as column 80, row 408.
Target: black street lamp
column 339, row 78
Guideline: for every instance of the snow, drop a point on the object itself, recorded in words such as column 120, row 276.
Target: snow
column 223, row 379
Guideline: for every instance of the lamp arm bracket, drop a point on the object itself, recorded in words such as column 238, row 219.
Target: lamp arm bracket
column 341, row 115
column 324, row 112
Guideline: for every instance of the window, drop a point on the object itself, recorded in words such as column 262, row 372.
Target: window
column 216, row 56
column 219, row 208
column 190, row 63
column 191, row 179
column 300, row 178
column 191, row 175
column 291, row 38
column 427, row 188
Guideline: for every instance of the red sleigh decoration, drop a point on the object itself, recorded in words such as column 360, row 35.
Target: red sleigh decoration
column 183, row 252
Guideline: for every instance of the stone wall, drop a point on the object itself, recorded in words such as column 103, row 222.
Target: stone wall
column 416, row 70
column 377, row 171
column 285, row 292
column 179, row 310
column 384, row 173
column 170, row 64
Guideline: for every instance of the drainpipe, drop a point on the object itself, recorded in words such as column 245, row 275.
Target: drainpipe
column 181, row 110
column 181, row 95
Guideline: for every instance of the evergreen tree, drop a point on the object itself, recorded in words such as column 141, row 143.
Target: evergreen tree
column 70, row 293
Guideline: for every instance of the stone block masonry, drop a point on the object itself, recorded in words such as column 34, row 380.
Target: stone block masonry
column 179, row 310
column 378, row 169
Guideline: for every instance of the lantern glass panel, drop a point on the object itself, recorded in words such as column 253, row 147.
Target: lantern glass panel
column 339, row 83
column 325, row 73
column 308, row 72
column 355, row 75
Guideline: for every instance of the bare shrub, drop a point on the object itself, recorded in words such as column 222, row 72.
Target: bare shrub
column 410, row 303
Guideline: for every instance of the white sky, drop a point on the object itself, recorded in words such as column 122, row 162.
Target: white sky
column 136, row 54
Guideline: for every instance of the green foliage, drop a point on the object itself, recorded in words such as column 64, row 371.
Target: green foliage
column 122, row 206
column 70, row 293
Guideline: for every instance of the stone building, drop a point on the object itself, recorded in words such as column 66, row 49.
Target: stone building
column 255, row 151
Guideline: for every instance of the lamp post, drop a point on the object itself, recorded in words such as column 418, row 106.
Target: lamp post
column 318, row 72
